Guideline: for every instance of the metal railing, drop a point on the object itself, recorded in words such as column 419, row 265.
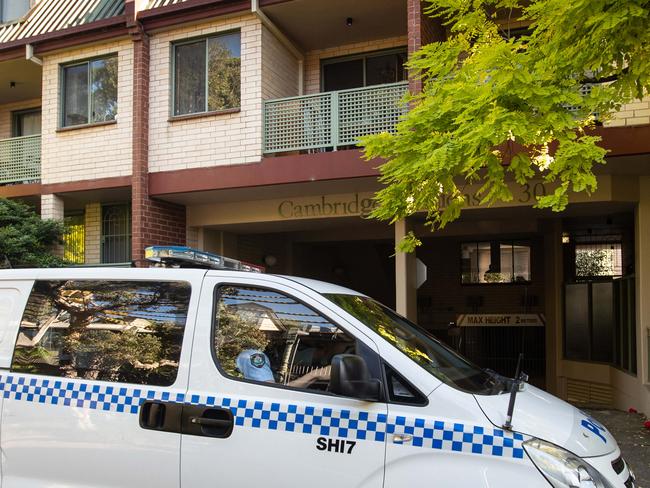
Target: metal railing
column 331, row 119
column 20, row 159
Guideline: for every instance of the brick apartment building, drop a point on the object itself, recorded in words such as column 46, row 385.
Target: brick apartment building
column 230, row 125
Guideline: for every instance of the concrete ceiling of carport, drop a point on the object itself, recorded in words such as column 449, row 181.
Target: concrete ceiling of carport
column 320, row 24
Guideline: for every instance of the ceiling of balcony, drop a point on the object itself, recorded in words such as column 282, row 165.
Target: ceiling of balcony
column 319, row 24
column 19, row 80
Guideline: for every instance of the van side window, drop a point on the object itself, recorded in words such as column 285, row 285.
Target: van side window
column 123, row 331
column 267, row 336
column 401, row 391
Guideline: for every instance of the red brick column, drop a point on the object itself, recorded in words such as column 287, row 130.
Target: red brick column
column 422, row 30
column 153, row 222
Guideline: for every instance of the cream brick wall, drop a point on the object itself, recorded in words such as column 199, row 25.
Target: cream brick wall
column 212, row 140
column 93, row 217
column 52, row 207
column 313, row 58
column 635, row 113
column 7, row 109
column 89, row 152
column 279, row 68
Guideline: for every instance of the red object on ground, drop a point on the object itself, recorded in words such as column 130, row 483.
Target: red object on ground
column 632, row 410
column 646, row 424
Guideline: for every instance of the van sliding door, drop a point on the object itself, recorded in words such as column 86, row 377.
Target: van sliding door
column 98, row 376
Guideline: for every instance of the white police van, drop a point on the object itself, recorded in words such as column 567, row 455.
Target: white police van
column 219, row 378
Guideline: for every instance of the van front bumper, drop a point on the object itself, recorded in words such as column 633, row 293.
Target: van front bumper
column 614, row 468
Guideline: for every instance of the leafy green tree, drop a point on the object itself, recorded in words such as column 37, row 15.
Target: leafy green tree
column 26, row 239
column 112, row 332
column 497, row 107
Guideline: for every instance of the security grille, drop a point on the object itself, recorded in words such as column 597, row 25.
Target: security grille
column 498, row 348
column 20, row 159
column 116, row 234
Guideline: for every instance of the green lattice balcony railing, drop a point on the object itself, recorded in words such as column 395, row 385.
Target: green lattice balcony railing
column 331, row 119
column 20, row 159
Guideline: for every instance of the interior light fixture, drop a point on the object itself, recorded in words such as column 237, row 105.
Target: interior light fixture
column 349, row 21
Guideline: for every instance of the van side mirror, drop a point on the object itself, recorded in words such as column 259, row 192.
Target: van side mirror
column 350, row 377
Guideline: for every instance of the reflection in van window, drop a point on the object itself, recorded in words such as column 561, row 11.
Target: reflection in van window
column 123, row 331
column 418, row 345
column 267, row 336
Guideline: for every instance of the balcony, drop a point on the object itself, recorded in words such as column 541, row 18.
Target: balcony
column 331, row 120
column 20, row 160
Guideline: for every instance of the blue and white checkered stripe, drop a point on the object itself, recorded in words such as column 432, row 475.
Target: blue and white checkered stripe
column 81, row 394
column 304, row 419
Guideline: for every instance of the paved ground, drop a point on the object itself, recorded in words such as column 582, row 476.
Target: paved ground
column 633, row 439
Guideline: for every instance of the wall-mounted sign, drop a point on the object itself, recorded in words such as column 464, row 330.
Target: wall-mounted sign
column 327, row 206
column 501, row 320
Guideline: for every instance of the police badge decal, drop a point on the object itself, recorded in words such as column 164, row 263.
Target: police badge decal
column 258, row 360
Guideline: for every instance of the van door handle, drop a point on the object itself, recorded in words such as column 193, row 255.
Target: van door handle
column 219, row 423
column 402, row 438
column 207, row 421
column 162, row 416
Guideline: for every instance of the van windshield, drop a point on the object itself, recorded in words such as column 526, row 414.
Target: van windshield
column 420, row 346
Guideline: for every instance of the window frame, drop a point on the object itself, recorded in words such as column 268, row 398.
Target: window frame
column 188, row 283
column 511, row 242
column 15, row 119
column 353, row 57
column 381, row 363
column 595, row 242
column 172, row 78
column 17, row 19
column 62, row 98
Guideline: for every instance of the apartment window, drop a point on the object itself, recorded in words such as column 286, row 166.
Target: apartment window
column 26, row 122
column 495, row 262
column 89, row 92
column 116, row 234
column 123, row 331
column 11, row 10
column 364, row 70
column 598, row 260
column 207, row 74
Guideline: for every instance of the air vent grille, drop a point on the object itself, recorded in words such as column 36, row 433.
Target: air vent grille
column 586, row 393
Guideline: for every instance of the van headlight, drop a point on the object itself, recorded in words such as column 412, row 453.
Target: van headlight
column 561, row 468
